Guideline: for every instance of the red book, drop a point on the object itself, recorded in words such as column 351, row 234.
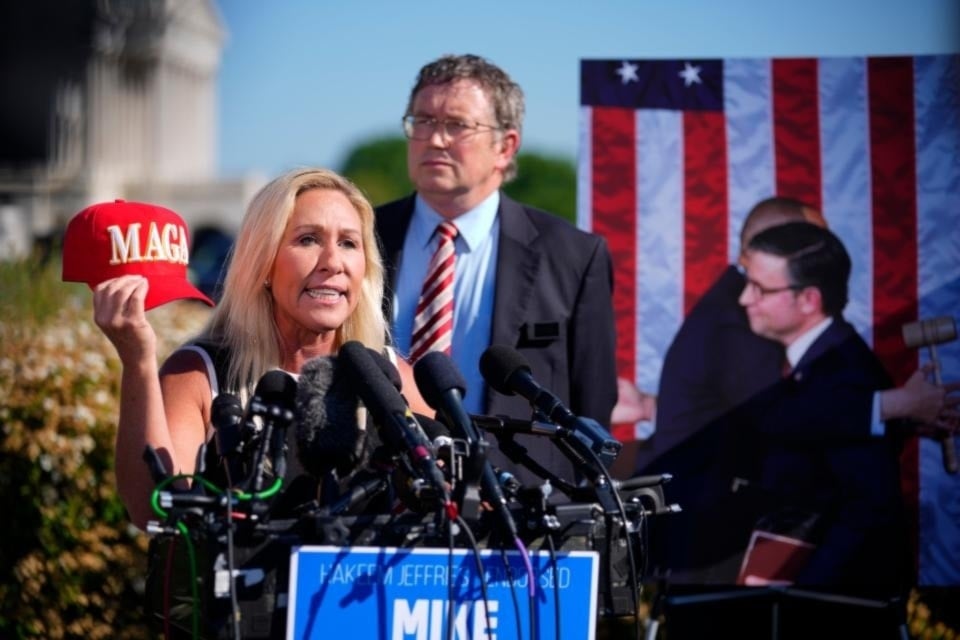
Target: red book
column 773, row 559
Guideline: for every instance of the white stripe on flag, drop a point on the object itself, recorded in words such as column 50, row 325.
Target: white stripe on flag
column 937, row 83
column 845, row 172
column 660, row 207
column 585, row 171
column 749, row 118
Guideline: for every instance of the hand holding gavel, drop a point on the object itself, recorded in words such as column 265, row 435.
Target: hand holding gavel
column 930, row 333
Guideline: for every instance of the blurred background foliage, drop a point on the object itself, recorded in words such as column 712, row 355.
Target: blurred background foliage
column 71, row 565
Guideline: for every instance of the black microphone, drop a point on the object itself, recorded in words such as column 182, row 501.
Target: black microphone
column 367, row 488
column 226, row 416
column 388, row 369
column 398, row 427
column 642, row 482
column 509, row 373
column 273, row 403
column 329, row 435
column 443, row 388
column 503, row 424
column 436, row 431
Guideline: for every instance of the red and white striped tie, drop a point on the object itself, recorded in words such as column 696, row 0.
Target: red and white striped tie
column 433, row 322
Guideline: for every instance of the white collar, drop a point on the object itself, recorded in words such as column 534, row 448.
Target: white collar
column 799, row 346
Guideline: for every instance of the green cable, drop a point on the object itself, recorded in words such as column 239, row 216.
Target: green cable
column 194, row 589
column 185, row 532
column 241, row 495
column 268, row 493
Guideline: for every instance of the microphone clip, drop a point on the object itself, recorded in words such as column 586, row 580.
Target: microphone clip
column 468, row 463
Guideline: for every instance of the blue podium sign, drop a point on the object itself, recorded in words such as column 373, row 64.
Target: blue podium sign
column 389, row 593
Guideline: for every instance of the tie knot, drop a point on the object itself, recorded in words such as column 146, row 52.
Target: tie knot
column 786, row 368
column 447, row 230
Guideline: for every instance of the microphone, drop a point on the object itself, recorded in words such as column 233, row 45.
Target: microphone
column 436, row 431
column 390, row 412
column 443, row 388
column 642, row 482
column 273, row 402
column 509, row 373
column 226, row 416
column 387, row 368
column 329, row 435
column 503, row 424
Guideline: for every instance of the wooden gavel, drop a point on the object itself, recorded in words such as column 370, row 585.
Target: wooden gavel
column 929, row 333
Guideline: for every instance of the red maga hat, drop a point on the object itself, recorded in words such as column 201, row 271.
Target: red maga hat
column 119, row 238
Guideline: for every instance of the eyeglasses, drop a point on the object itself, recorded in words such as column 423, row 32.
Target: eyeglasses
column 757, row 289
column 422, row 128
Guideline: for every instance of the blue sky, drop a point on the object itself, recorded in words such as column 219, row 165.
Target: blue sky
column 302, row 81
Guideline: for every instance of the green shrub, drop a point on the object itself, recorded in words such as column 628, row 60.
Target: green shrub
column 71, row 565
column 32, row 290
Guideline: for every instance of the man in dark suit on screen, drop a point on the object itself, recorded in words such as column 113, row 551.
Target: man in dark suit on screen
column 522, row 277
column 815, row 458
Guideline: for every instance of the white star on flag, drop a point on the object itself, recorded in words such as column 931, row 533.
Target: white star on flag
column 690, row 74
column 627, row 72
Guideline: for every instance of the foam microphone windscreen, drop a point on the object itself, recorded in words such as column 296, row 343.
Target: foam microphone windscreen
column 389, row 370
column 276, row 387
column 436, row 374
column 498, row 364
column 433, row 428
column 328, row 434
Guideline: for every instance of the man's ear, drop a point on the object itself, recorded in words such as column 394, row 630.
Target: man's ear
column 509, row 145
column 811, row 300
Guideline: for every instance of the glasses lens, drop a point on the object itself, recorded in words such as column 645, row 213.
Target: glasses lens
column 419, row 128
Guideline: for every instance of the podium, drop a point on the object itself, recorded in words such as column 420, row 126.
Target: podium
column 439, row 593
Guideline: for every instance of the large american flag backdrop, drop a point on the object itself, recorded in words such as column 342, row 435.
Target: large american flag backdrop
column 673, row 153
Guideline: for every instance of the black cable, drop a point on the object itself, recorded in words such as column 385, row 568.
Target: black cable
column 167, row 578
column 634, row 580
column 451, row 595
column 480, row 572
column 556, row 585
column 231, row 562
column 518, row 622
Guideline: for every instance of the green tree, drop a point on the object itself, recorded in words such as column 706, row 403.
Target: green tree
column 379, row 168
column 546, row 182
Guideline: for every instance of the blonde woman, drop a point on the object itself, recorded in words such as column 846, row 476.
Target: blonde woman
column 305, row 277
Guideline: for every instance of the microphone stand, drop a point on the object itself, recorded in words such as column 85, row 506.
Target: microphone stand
column 465, row 475
column 518, row 454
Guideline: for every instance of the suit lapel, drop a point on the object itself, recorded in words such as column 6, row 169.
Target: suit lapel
column 517, row 267
column 838, row 332
column 392, row 223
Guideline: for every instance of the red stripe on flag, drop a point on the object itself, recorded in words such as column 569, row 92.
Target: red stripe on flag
column 614, row 203
column 796, row 130
column 705, row 202
column 894, row 194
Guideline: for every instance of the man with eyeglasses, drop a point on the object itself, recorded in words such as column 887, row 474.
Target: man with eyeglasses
column 523, row 277
column 818, row 470
column 714, row 366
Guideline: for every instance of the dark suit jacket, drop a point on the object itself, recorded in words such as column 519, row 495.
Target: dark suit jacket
column 714, row 364
column 552, row 303
column 804, row 445
column 816, row 455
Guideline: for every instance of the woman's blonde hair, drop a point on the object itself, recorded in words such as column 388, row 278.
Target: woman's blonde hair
column 243, row 320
